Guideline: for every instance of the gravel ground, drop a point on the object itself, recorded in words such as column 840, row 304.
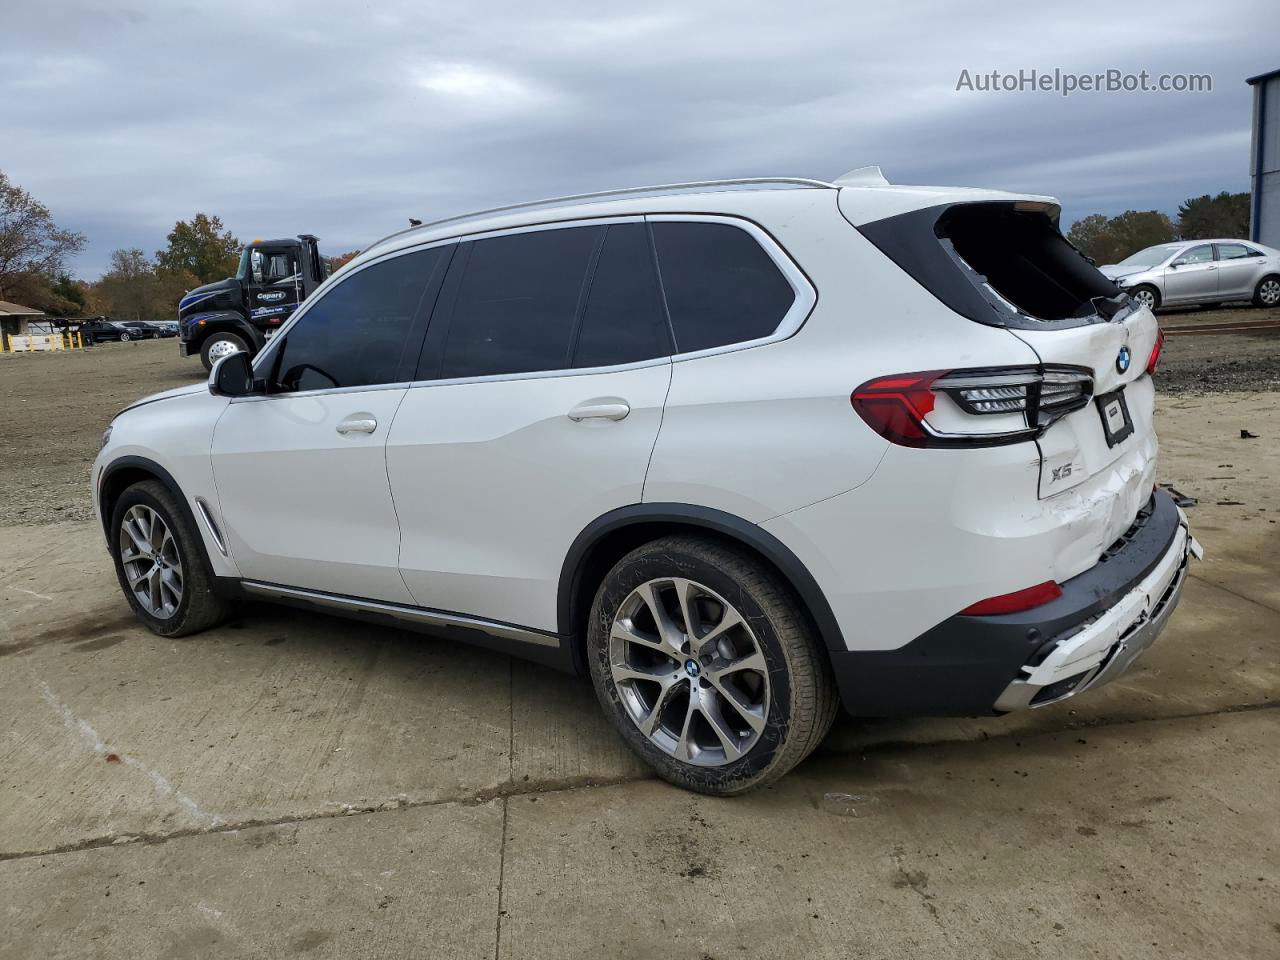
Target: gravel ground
column 58, row 404
column 1222, row 363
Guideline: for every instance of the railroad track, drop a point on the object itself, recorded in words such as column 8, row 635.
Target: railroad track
column 1220, row 329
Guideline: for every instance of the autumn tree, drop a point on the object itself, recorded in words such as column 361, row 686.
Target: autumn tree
column 341, row 260
column 1110, row 240
column 33, row 249
column 202, row 247
column 1224, row 215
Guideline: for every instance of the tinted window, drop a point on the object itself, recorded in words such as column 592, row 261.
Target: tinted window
column 624, row 321
column 355, row 335
column 721, row 286
column 517, row 301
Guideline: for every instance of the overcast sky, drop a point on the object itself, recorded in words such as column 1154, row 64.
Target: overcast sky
column 345, row 120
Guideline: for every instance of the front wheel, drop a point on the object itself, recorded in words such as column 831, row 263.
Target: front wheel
column 707, row 665
column 1147, row 297
column 221, row 345
column 160, row 563
column 1267, row 293
column 125, row 338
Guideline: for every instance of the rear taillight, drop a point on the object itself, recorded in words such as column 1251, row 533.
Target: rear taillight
column 1154, row 360
column 1027, row 399
column 1014, row 602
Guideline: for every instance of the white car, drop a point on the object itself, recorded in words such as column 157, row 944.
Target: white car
column 740, row 451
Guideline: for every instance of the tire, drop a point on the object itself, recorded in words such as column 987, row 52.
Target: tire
column 791, row 699
column 1146, row 293
column 217, row 345
column 196, row 607
column 1267, row 293
column 124, row 338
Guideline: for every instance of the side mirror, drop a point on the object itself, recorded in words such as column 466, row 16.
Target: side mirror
column 232, row 376
column 1176, row 264
column 256, row 262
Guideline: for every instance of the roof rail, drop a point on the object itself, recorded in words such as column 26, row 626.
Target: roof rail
column 607, row 194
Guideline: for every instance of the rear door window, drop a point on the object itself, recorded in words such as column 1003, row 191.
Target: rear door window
column 357, row 334
column 517, row 302
column 1234, row 251
column 721, row 286
column 624, row 321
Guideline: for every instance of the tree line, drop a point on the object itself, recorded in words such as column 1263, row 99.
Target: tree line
column 138, row 286
column 1110, row 239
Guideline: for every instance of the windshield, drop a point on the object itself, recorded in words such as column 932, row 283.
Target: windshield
column 1150, row 256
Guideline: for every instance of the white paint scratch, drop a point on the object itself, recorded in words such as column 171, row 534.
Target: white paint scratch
column 163, row 788
column 32, row 593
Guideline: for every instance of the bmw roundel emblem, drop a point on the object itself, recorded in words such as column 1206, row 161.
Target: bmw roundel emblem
column 1122, row 359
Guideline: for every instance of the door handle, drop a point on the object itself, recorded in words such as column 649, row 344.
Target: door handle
column 360, row 423
column 607, row 408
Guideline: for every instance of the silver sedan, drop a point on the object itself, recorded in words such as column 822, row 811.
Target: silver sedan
column 1200, row 271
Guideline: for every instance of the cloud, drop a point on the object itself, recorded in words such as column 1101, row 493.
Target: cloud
column 344, row 120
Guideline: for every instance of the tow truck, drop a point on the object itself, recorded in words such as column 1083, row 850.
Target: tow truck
column 241, row 313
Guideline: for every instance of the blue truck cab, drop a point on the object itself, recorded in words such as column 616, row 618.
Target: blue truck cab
column 242, row 312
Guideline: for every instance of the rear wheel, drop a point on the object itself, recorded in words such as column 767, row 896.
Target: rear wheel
column 220, row 345
column 160, row 563
column 1267, row 293
column 707, row 666
column 1148, row 297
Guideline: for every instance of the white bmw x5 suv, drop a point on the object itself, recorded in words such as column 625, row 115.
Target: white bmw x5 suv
column 740, row 451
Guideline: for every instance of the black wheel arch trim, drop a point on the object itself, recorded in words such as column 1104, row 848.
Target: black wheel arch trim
column 147, row 466
column 716, row 521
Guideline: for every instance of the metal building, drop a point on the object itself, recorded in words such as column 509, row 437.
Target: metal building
column 1264, row 160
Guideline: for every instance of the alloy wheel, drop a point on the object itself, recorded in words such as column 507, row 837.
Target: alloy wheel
column 152, row 565
column 1269, row 292
column 689, row 671
column 1146, row 298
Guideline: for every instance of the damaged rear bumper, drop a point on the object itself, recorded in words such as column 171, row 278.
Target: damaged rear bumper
column 1103, row 622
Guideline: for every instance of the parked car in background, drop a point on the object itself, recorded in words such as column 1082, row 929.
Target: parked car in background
column 139, row 330
column 1200, row 271
column 168, row 329
column 100, row 330
column 738, row 451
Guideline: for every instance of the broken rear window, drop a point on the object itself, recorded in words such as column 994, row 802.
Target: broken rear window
column 1000, row 263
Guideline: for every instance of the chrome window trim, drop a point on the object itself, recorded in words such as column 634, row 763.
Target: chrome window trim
column 551, row 225
column 326, row 392
column 545, row 374
column 806, row 296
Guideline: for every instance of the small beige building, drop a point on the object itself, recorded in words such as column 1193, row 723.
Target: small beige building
column 15, row 319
